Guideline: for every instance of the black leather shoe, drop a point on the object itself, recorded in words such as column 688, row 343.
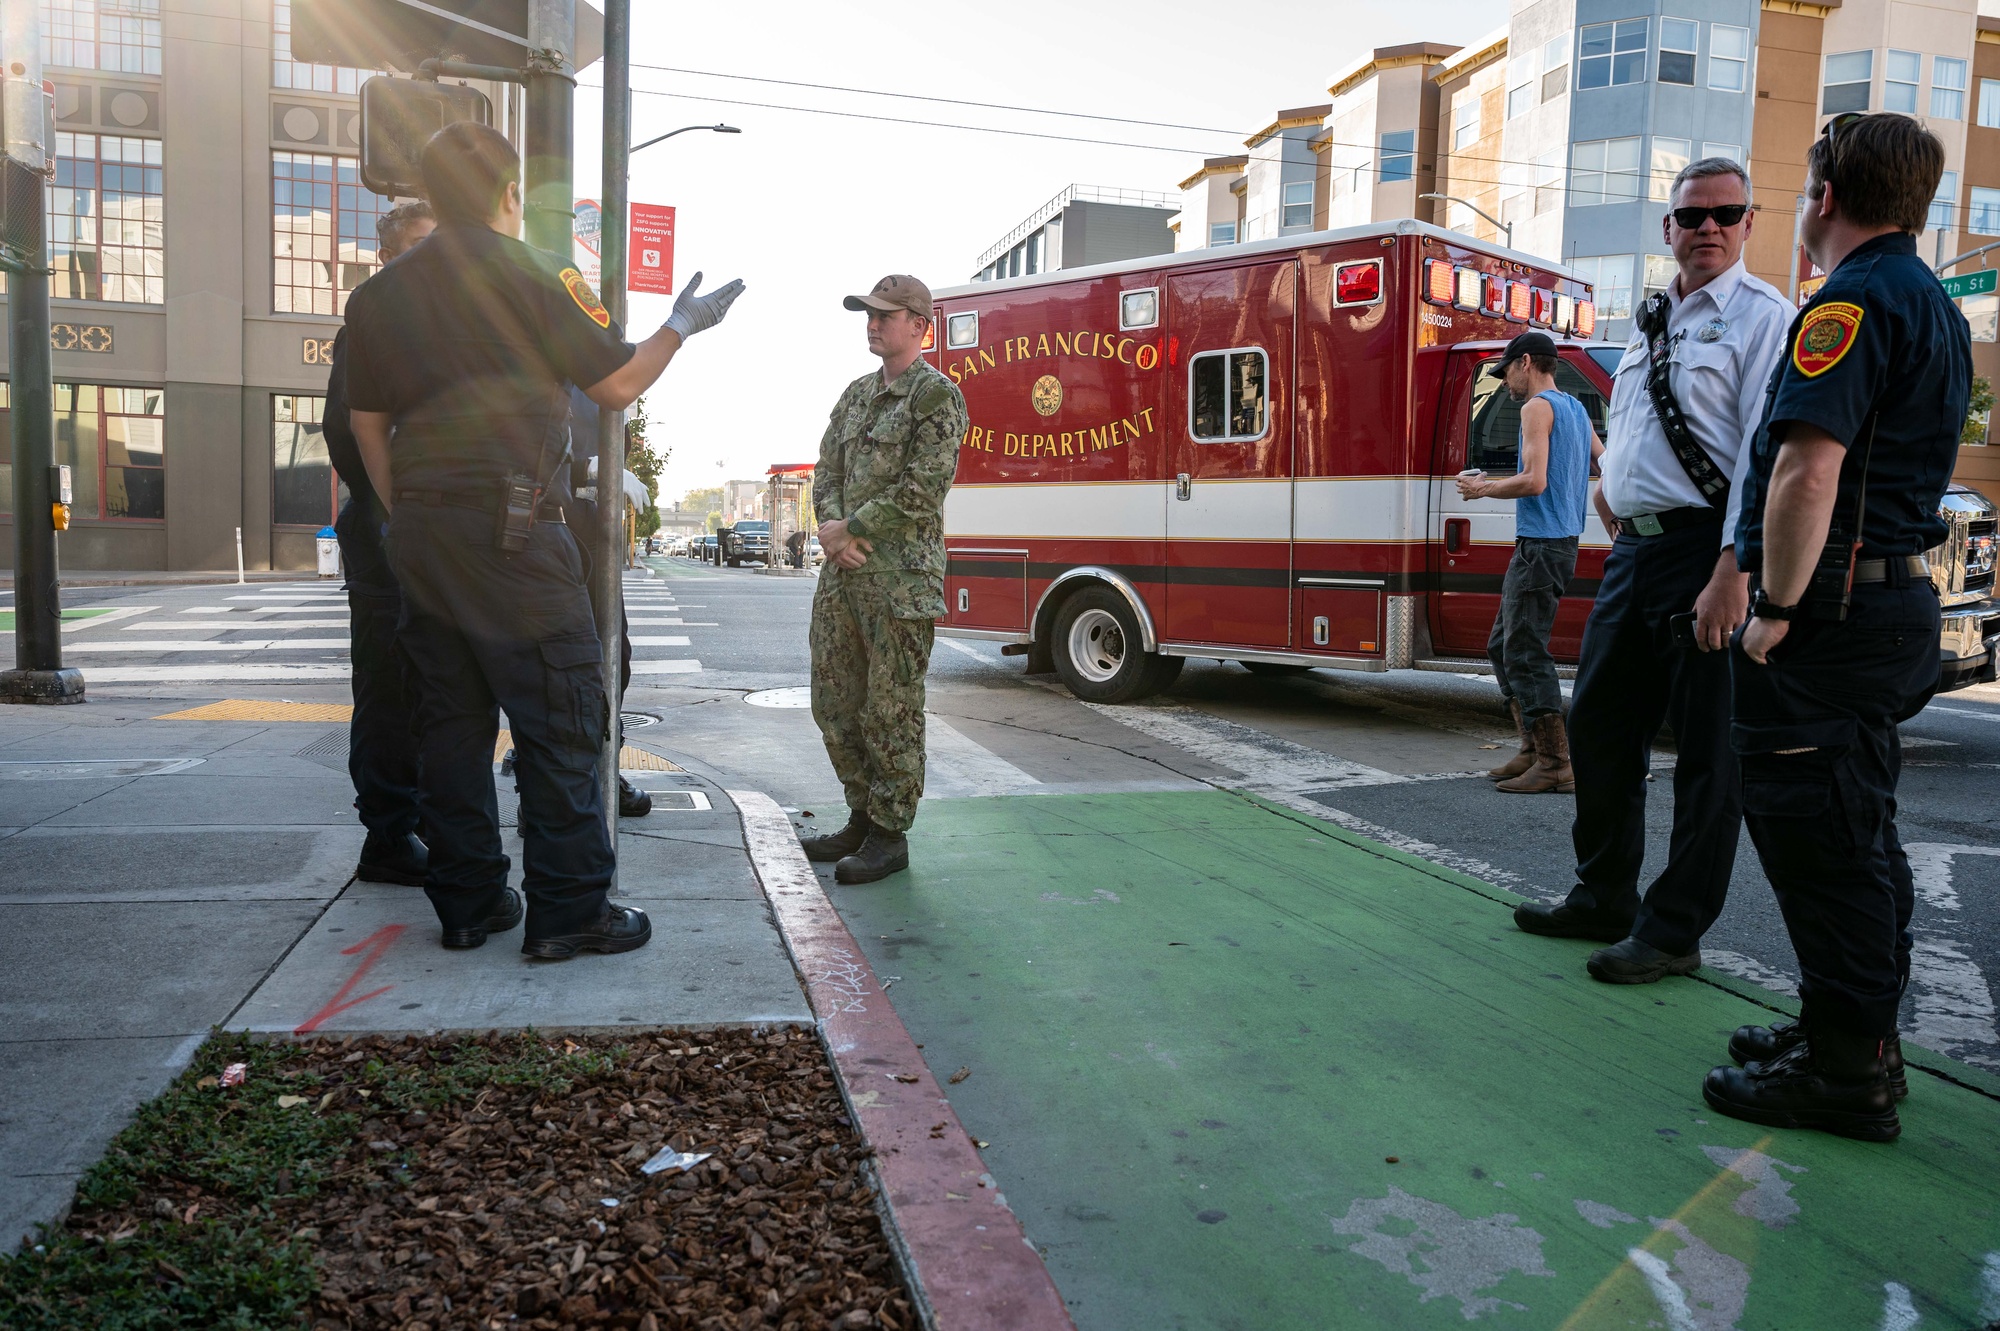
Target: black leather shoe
column 619, row 929
column 883, row 853
column 839, row 845
column 1797, row 1092
column 1631, row 961
column 1753, row 1045
column 504, row 917
column 1537, row 917
column 390, row 859
column 632, row 801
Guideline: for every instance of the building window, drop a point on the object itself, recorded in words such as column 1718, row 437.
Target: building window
column 1548, row 181
column 1670, row 158
column 1222, row 233
column 1680, row 39
column 305, row 491
column 1728, row 58
column 289, row 73
column 1943, row 202
column 107, row 220
column 1399, row 155
column 1947, row 88
column 1298, row 213
column 114, row 442
column 1226, row 397
column 322, row 232
column 1520, row 85
column 1899, row 81
column 1983, row 313
column 1555, row 67
column 1604, row 171
column 1465, row 120
column 1733, row 151
column 1846, row 82
column 1611, row 54
column 1983, row 218
column 1516, row 205
column 1989, row 103
column 122, row 36
column 1032, row 249
column 1660, row 273
column 1610, row 276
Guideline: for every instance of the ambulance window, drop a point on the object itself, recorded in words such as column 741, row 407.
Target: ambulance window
column 1226, row 397
column 1493, row 434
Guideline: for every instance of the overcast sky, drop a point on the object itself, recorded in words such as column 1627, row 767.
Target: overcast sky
column 807, row 208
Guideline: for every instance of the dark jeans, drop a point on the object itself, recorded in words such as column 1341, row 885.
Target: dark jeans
column 487, row 631
column 1519, row 644
column 1633, row 676
column 1816, row 732
column 382, row 739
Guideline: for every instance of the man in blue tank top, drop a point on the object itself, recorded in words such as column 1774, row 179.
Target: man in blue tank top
column 1550, row 493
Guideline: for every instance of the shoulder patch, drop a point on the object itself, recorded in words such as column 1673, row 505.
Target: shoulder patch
column 586, row 299
column 1825, row 335
column 934, row 396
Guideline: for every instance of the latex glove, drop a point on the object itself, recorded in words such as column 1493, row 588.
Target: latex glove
column 694, row 313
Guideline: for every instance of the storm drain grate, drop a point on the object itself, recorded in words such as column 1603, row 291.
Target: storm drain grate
column 637, row 720
column 329, row 750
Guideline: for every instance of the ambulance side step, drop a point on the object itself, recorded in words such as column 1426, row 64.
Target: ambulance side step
column 1469, row 665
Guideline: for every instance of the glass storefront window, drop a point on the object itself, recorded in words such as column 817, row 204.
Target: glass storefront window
column 305, row 492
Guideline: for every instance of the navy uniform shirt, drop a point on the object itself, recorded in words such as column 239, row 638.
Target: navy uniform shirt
column 470, row 342
column 1880, row 348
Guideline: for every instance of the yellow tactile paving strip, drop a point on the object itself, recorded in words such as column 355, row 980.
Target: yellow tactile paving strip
column 629, row 758
column 248, row 709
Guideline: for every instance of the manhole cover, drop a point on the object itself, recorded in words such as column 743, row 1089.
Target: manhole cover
column 637, row 720
column 94, row 769
column 800, row 696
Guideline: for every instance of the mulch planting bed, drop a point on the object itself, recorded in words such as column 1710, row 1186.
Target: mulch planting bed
column 417, row 1184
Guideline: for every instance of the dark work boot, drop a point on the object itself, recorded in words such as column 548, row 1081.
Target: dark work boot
column 839, row 845
column 1563, row 921
column 883, row 853
column 632, row 801
column 393, row 859
column 1523, row 760
column 618, row 929
column 1631, row 961
column 1832, row 1083
column 1765, row 1044
column 504, row 916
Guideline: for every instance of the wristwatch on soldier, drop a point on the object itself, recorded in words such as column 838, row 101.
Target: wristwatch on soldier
column 1763, row 607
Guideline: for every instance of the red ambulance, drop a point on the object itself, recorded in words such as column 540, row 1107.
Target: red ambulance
column 1247, row 453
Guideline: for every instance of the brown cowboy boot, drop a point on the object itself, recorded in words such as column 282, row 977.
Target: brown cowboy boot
column 1523, row 760
column 1551, row 771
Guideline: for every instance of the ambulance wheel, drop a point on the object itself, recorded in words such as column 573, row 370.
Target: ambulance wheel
column 1273, row 668
column 1098, row 654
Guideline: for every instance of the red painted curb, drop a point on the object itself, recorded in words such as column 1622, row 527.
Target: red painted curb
column 974, row 1268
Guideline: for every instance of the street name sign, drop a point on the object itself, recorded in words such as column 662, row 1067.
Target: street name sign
column 1977, row 283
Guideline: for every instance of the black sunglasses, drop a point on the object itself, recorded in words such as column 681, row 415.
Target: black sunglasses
column 1728, row 214
column 1831, row 133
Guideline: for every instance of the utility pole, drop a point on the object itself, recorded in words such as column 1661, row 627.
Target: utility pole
column 608, row 566
column 38, row 675
column 551, row 71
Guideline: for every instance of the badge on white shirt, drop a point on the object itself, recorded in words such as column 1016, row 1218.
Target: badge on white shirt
column 1713, row 330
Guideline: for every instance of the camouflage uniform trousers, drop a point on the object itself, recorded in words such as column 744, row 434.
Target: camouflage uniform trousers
column 869, row 657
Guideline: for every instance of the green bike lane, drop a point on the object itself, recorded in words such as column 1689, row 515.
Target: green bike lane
column 1240, row 1069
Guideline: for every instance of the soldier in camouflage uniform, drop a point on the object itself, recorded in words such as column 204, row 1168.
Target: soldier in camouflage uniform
column 885, row 463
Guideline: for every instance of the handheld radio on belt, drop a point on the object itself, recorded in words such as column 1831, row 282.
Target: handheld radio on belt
column 521, row 496
column 1707, row 478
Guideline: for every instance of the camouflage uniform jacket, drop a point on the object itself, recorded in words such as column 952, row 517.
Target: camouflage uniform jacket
column 885, row 464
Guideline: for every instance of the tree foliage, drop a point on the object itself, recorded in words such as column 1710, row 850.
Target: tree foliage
column 1978, row 411
column 645, row 462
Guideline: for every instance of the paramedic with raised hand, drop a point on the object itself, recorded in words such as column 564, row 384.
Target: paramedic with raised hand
column 1549, row 492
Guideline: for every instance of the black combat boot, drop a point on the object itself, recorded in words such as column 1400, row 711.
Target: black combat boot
column 618, row 929
column 883, row 853
column 632, row 801
column 1564, row 921
column 839, row 845
column 1635, row 961
column 1764, row 1044
column 393, row 859
column 1835, row 1083
column 504, row 915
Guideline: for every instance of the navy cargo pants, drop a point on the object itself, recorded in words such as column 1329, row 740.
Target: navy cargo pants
column 486, row 631
column 1816, row 732
column 382, row 739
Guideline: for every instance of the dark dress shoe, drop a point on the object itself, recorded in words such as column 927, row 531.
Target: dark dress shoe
column 1798, row 1091
column 503, row 917
column 1630, row 961
column 618, row 929
column 1538, row 917
column 1765, row 1044
column 393, row 859
column 883, row 853
column 838, row 845
column 632, row 801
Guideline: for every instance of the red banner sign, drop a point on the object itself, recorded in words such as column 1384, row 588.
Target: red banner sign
column 652, row 254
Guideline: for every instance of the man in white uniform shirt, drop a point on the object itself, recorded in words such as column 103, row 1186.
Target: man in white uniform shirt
column 1695, row 370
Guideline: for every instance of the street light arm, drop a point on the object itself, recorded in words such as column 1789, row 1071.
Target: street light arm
column 1506, row 228
column 718, row 129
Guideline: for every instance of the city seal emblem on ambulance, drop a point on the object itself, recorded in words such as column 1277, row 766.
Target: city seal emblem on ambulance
column 1047, row 395
column 1825, row 335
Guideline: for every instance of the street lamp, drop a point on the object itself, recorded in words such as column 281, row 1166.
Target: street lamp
column 717, row 129
column 1506, row 228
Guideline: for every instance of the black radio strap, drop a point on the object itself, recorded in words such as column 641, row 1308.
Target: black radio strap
column 1707, row 478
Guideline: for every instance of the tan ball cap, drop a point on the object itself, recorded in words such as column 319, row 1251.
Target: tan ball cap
column 897, row 291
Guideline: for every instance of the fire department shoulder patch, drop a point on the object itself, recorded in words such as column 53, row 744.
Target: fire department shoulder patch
column 586, row 299
column 1826, row 335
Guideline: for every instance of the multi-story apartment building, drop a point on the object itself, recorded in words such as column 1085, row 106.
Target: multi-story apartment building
column 1082, row 225
column 1472, row 118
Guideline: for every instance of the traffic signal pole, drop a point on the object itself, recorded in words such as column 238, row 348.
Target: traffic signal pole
column 547, row 131
column 38, row 675
column 608, row 564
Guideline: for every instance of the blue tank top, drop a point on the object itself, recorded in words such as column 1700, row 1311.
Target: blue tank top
column 1558, row 510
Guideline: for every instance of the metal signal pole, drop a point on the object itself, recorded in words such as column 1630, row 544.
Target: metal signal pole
column 547, row 133
column 609, row 564
column 38, row 675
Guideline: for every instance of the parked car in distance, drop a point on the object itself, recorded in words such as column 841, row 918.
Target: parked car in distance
column 748, row 540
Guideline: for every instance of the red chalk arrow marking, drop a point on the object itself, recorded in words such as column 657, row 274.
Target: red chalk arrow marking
column 374, row 945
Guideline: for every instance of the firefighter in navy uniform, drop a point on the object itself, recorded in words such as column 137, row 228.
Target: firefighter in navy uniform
column 460, row 358
column 1859, row 437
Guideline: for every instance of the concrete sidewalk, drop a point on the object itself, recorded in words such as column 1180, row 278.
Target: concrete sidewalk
column 162, row 876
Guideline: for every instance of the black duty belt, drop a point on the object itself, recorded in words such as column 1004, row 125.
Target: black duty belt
column 550, row 511
column 1674, row 519
column 1877, row 570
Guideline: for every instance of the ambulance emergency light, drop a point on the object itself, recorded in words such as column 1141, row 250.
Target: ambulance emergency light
column 1437, row 281
column 1358, row 283
column 1466, row 282
column 1519, row 301
column 1586, row 318
column 1495, row 303
column 1566, row 313
column 1544, row 312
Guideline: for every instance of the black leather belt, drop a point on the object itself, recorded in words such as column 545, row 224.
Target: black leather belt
column 1877, row 570
column 1674, row 519
column 548, row 512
